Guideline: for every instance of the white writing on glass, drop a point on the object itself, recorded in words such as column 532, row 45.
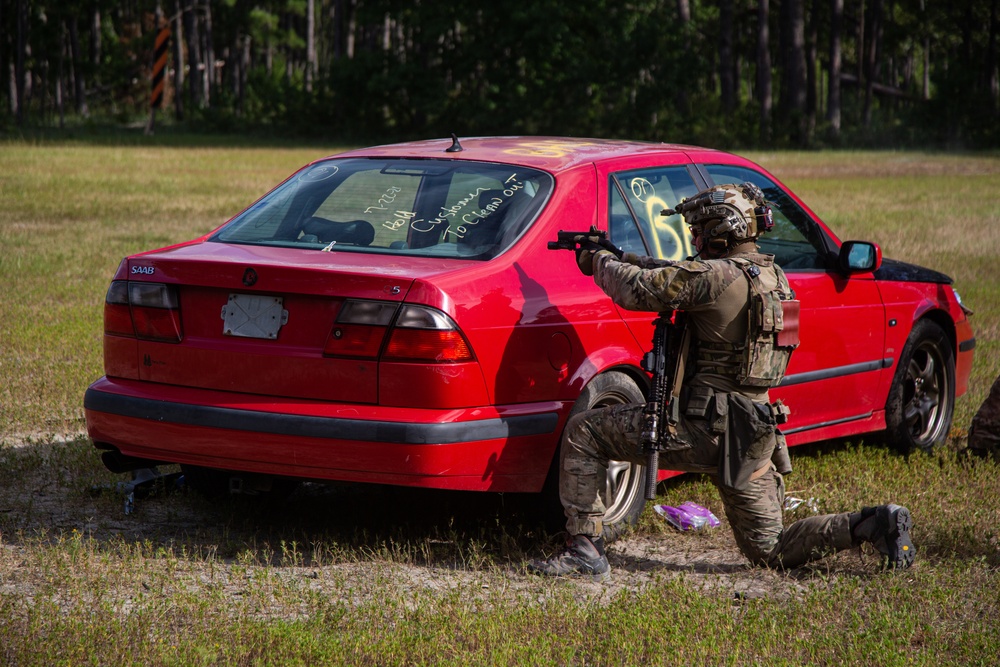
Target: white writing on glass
column 450, row 215
column 385, row 200
column 400, row 219
column 642, row 188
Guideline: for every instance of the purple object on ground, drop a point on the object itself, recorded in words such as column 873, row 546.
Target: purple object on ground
column 689, row 516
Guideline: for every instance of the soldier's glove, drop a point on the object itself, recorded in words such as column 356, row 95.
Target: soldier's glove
column 585, row 261
column 589, row 247
column 605, row 244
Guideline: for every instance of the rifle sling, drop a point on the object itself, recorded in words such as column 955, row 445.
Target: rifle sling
column 759, row 472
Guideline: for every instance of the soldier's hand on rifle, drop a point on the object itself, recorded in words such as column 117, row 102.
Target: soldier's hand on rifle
column 590, row 246
column 605, row 244
column 585, row 259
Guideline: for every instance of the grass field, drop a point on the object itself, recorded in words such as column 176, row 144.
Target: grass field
column 360, row 576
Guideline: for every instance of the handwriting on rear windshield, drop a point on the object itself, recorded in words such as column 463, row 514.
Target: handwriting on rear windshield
column 383, row 202
column 461, row 215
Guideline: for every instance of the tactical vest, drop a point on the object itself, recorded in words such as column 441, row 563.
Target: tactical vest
column 772, row 334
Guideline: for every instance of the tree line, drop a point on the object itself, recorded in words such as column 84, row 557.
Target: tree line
column 717, row 72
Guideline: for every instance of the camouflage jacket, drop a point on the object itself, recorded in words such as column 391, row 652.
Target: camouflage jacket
column 715, row 294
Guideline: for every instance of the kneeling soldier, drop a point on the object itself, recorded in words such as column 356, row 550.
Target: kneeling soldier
column 735, row 300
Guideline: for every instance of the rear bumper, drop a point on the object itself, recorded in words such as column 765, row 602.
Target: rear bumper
column 506, row 448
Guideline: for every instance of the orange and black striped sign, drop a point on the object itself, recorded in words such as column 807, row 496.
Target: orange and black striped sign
column 159, row 66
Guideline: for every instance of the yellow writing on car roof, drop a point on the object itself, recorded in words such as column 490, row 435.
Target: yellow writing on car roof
column 547, row 148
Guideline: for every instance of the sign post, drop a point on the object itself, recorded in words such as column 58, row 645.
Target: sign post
column 158, row 74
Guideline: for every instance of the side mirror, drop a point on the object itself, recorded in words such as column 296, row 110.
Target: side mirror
column 859, row 257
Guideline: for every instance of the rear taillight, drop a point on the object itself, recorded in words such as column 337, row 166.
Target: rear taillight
column 360, row 329
column 393, row 332
column 117, row 316
column 148, row 311
column 426, row 335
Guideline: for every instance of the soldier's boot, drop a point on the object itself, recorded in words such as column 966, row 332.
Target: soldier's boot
column 583, row 557
column 887, row 528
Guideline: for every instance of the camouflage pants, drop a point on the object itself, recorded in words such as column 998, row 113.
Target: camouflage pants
column 984, row 433
column 595, row 437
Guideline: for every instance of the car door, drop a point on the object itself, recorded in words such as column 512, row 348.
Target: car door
column 834, row 374
column 635, row 199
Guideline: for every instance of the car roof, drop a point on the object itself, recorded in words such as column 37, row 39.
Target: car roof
column 548, row 153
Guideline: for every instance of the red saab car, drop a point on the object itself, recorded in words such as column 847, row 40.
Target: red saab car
column 392, row 315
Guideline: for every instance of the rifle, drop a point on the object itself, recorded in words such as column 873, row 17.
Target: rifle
column 571, row 240
column 663, row 409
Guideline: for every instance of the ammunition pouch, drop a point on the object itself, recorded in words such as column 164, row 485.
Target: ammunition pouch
column 697, row 401
column 702, row 403
column 782, row 462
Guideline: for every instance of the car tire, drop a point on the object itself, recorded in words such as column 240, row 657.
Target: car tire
column 625, row 496
column 921, row 401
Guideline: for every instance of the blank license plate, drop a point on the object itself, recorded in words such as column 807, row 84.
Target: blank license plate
column 253, row 316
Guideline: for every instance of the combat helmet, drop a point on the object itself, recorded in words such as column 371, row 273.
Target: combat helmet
column 727, row 215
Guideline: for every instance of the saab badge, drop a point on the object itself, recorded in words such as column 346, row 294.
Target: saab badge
column 249, row 277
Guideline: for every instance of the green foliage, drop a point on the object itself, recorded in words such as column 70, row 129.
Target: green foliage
column 393, row 69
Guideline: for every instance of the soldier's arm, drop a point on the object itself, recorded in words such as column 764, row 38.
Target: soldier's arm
column 665, row 286
column 646, row 262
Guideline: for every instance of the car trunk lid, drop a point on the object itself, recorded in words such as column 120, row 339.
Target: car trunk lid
column 256, row 320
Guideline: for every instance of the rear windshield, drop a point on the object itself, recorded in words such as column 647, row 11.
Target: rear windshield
column 436, row 208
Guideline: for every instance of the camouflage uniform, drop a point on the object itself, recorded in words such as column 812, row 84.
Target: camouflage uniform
column 714, row 294
column 984, row 433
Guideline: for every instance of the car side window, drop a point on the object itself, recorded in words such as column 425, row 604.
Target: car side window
column 636, row 200
column 622, row 228
column 796, row 241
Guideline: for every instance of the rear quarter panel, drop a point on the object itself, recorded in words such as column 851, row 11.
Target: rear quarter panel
column 539, row 328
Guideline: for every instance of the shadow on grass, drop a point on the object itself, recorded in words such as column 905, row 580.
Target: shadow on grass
column 51, row 489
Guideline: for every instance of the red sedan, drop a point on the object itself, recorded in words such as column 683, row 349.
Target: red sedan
column 393, row 315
